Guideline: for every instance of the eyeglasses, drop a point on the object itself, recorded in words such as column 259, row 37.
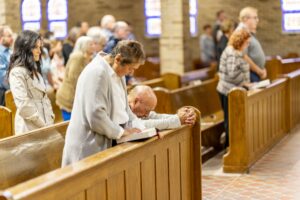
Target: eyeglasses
column 254, row 17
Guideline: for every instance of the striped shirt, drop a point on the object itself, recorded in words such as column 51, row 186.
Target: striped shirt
column 233, row 70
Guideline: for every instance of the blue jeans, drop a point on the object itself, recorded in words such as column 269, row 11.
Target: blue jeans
column 254, row 77
column 66, row 115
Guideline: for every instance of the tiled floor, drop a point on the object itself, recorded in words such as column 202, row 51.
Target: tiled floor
column 275, row 177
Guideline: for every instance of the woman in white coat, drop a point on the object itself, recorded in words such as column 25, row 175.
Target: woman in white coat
column 27, row 84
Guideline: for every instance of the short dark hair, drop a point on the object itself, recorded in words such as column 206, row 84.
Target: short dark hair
column 206, row 26
column 130, row 51
column 219, row 13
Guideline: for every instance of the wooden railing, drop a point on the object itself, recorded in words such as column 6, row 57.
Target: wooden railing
column 167, row 168
column 257, row 121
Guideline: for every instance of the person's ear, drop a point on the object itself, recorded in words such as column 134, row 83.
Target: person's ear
column 118, row 58
column 136, row 100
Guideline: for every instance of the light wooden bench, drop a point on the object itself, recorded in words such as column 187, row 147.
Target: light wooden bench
column 257, row 121
column 205, row 98
column 5, row 122
column 277, row 66
column 167, row 168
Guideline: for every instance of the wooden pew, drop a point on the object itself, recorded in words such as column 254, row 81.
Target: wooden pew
column 167, row 168
column 205, row 98
column 277, row 66
column 5, row 122
column 24, row 157
column 150, row 70
column 293, row 98
column 174, row 81
column 257, row 121
column 10, row 104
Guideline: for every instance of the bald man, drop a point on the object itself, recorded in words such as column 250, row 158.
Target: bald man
column 142, row 101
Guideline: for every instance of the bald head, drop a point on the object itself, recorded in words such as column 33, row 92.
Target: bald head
column 142, row 100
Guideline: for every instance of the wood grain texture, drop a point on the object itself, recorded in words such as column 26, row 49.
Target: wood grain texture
column 5, row 122
column 254, row 127
column 114, row 173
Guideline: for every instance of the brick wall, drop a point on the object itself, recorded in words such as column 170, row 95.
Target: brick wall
column 269, row 32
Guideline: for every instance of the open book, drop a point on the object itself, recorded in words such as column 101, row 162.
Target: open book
column 261, row 84
column 147, row 133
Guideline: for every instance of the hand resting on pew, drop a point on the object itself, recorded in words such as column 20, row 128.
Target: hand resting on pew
column 187, row 115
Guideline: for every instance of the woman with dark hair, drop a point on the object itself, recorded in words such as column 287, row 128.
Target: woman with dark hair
column 234, row 71
column 100, row 110
column 27, row 84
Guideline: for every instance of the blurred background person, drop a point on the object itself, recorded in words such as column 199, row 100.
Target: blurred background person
column 107, row 24
column 207, row 46
column 57, row 63
column 83, row 28
column 69, row 43
column 79, row 58
column 217, row 32
column 6, row 41
column 99, row 38
column 227, row 28
column 121, row 32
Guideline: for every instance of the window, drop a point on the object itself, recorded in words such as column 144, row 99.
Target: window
column 290, row 16
column 57, row 14
column 31, row 14
column 153, row 21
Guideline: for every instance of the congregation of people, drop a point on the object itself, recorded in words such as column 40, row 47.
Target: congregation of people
column 87, row 74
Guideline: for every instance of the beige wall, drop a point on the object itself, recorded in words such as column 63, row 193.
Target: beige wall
column 269, row 33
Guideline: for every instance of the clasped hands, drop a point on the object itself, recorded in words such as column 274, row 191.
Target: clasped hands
column 187, row 115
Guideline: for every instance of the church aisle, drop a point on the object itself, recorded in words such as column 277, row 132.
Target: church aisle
column 275, row 176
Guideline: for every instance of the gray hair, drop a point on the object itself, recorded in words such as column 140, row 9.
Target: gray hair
column 97, row 34
column 246, row 12
column 82, row 43
column 120, row 25
column 106, row 20
column 4, row 28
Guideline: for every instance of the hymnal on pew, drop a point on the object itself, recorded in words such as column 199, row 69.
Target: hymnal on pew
column 260, row 84
column 147, row 133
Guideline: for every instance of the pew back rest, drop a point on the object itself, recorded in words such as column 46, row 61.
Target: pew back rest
column 290, row 65
column 10, row 104
column 257, row 121
column 150, row 70
column 277, row 66
column 204, row 97
column 174, row 81
column 5, row 122
column 29, row 155
column 156, row 168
